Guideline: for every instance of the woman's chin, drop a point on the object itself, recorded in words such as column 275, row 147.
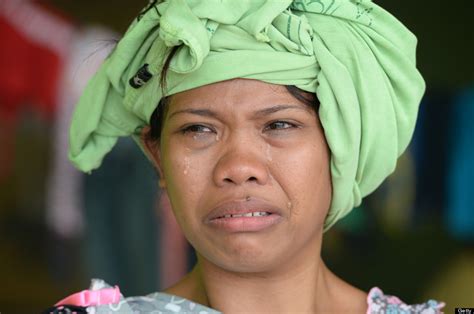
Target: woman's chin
column 247, row 266
column 244, row 258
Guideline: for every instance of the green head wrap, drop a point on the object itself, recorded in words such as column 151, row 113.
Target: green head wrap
column 357, row 58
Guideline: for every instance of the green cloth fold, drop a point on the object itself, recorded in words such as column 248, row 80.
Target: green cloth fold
column 357, row 58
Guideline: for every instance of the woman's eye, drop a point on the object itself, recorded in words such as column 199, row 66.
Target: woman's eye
column 196, row 128
column 280, row 125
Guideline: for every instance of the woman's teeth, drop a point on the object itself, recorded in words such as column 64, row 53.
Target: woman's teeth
column 254, row 214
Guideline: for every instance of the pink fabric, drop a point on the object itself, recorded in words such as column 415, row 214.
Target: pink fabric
column 87, row 298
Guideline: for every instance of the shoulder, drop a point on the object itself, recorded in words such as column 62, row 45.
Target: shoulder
column 378, row 302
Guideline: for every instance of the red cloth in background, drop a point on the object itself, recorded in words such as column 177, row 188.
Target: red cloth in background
column 34, row 42
column 29, row 73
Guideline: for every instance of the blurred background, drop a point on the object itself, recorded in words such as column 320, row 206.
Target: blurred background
column 414, row 237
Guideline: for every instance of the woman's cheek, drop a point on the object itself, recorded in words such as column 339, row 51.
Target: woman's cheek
column 189, row 177
column 301, row 173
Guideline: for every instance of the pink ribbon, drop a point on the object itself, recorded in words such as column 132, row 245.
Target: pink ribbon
column 87, row 298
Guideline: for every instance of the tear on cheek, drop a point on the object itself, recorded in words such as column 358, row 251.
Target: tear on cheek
column 186, row 165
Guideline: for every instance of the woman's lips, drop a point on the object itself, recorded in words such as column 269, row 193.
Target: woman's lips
column 243, row 216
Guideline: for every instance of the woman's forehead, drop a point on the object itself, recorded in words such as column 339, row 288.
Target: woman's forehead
column 236, row 94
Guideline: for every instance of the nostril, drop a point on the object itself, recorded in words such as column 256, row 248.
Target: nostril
column 251, row 179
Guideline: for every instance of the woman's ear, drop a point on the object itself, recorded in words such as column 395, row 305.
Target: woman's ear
column 152, row 149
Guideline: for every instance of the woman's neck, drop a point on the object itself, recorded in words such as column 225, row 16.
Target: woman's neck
column 304, row 286
column 285, row 292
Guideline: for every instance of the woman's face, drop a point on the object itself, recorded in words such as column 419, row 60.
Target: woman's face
column 246, row 168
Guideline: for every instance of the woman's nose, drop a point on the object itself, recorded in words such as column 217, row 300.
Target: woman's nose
column 241, row 163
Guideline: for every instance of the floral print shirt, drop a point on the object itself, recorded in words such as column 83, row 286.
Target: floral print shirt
column 102, row 298
column 378, row 302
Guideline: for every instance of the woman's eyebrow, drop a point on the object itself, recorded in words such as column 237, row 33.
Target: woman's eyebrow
column 258, row 114
column 199, row 112
column 267, row 111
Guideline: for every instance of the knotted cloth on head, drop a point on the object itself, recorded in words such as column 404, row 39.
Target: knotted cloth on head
column 357, row 58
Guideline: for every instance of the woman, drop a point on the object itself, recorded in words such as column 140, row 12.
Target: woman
column 275, row 118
